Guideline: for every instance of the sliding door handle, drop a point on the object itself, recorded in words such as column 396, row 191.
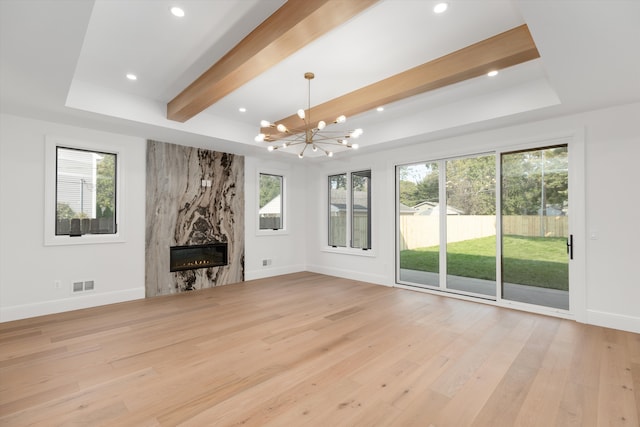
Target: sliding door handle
column 570, row 246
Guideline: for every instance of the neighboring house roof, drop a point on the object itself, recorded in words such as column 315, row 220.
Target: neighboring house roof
column 341, row 207
column 273, row 207
column 339, row 200
column 406, row 210
column 433, row 208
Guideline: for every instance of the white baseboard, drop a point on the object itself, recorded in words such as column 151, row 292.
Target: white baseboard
column 350, row 274
column 25, row 311
column 614, row 321
column 270, row 272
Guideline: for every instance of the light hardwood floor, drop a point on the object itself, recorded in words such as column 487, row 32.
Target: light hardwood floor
column 312, row 350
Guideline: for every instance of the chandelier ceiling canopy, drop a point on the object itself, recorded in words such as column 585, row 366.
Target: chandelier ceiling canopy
column 309, row 134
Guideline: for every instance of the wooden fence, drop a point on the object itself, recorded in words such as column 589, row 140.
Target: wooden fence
column 77, row 226
column 338, row 230
column 417, row 231
column 270, row 223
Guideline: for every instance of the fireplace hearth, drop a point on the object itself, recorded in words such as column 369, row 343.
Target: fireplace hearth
column 192, row 257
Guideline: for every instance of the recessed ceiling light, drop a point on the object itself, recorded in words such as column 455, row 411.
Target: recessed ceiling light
column 492, row 73
column 132, row 76
column 242, row 110
column 380, row 109
column 440, row 7
column 176, row 11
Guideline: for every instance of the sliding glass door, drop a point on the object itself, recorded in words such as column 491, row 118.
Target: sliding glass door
column 419, row 223
column 450, row 238
column 471, row 225
column 447, row 225
column 536, row 244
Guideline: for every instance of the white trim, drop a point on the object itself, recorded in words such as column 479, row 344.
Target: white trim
column 270, row 272
column 530, row 308
column 50, row 238
column 349, row 251
column 613, row 320
column 75, row 302
column 376, row 279
column 578, row 226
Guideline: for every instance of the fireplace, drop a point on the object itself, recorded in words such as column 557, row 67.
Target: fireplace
column 197, row 256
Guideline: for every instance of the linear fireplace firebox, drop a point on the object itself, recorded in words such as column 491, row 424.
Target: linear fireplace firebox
column 192, row 257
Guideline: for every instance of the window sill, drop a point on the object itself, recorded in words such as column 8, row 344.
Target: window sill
column 350, row 251
column 86, row 239
column 280, row 232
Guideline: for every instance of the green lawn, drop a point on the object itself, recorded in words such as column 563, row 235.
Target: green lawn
column 535, row 261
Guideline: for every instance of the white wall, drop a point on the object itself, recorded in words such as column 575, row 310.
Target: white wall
column 286, row 249
column 609, row 286
column 28, row 268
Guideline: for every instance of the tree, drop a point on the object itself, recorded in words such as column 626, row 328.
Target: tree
column 418, row 183
column 471, row 185
column 64, row 211
column 106, row 184
column 270, row 187
column 533, row 181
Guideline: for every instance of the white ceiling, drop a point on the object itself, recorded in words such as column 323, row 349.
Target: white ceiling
column 66, row 60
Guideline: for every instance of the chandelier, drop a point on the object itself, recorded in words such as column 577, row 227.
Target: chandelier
column 315, row 138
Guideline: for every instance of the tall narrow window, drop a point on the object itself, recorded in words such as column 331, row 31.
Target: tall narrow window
column 360, row 212
column 85, row 192
column 338, row 210
column 349, row 211
column 271, row 202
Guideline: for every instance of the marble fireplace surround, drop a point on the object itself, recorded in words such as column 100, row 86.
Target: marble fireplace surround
column 194, row 197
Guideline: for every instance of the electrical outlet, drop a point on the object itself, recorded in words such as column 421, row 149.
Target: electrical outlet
column 89, row 285
column 266, row 262
column 57, row 284
column 78, row 286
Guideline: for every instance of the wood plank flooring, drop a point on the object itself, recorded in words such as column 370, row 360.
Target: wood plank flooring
column 311, row 350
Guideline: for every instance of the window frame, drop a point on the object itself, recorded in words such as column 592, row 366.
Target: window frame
column 51, row 181
column 349, row 248
column 283, row 203
column 82, row 203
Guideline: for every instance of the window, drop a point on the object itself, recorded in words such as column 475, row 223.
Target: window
column 85, row 196
column 271, row 202
column 360, row 212
column 349, row 211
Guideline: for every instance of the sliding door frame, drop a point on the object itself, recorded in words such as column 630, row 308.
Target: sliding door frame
column 574, row 140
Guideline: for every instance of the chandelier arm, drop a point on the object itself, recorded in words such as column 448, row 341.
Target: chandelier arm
column 302, row 152
column 292, row 144
column 293, row 138
column 329, row 138
column 325, row 144
column 308, row 134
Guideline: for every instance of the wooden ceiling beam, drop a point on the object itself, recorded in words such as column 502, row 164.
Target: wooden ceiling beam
column 512, row 47
column 293, row 26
